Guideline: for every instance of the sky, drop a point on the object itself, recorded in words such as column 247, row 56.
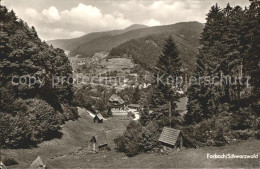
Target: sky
column 63, row 19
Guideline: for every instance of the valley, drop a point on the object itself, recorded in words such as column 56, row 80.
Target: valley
column 115, row 94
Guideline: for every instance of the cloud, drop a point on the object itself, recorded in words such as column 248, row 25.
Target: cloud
column 72, row 18
column 151, row 22
column 168, row 12
column 77, row 21
column 52, row 14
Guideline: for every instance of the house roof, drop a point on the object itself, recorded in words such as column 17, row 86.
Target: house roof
column 169, row 135
column 99, row 116
column 117, row 98
column 2, row 166
column 101, row 139
column 37, row 164
column 134, row 105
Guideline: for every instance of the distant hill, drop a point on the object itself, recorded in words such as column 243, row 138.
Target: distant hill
column 134, row 27
column 136, row 38
column 106, row 43
column 71, row 44
column 145, row 51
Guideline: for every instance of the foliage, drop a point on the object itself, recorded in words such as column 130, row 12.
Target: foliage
column 33, row 111
column 130, row 95
column 137, row 139
column 146, row 50
column 222, row 129
column 9, row 161
column 168, row 68
column 130, row 114
column 228, row 48
column 82, row 98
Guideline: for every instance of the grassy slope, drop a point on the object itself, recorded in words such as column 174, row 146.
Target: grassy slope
column 67, row 152
column 190, row 158
column 76, row 135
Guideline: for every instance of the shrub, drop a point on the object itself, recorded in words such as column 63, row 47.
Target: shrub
column 218, row 138
column 9, row 161
column 150, row 137
column 242, row 134
column 137, row 139
column 82, row 99
column 120, row 143
column 14, row 131
column 132, row 149
column 44, row 123
column 208, row 132
column 257, row 135
column 130, row 114
column 70, row 112
column 242, row 119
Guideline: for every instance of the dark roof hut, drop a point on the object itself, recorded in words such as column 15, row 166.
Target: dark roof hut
column 99, row 142
column 171, row 138
column 38, row 164
column 99, row 118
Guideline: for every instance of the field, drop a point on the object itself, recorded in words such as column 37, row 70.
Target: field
column 75, row 139
column 118, row 64
column 190, row 158
column 72, row 150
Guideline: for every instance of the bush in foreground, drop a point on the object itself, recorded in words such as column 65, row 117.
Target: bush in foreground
column 9, row 161
column 137, row 138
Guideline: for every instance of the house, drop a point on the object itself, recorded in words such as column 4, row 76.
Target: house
column 171, row 138
column 99, row 142
column 116, row 101
column 99, row 118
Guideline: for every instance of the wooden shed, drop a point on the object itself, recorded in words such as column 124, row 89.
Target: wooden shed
column 38, row 164
column 171, row 138
column 99, row 118
column 99, row 142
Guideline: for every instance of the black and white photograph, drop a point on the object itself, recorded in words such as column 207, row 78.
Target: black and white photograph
column 129, row 84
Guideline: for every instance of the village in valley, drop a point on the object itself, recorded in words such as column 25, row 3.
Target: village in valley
column 145, row 95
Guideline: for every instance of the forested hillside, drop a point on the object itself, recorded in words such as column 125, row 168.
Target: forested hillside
column 226, row 109
column 106, row 43
column 223, row 94
column 71, row 44
column 32, row 109
column 146, row 51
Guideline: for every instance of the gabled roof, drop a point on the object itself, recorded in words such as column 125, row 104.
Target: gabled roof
column 99, row 116
column 169, row 135
column 101, row 139
column 37, row 164
column 117, row 98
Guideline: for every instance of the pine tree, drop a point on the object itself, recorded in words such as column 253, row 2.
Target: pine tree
column 169, row 68
column 201, row 97
column 253, row 59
